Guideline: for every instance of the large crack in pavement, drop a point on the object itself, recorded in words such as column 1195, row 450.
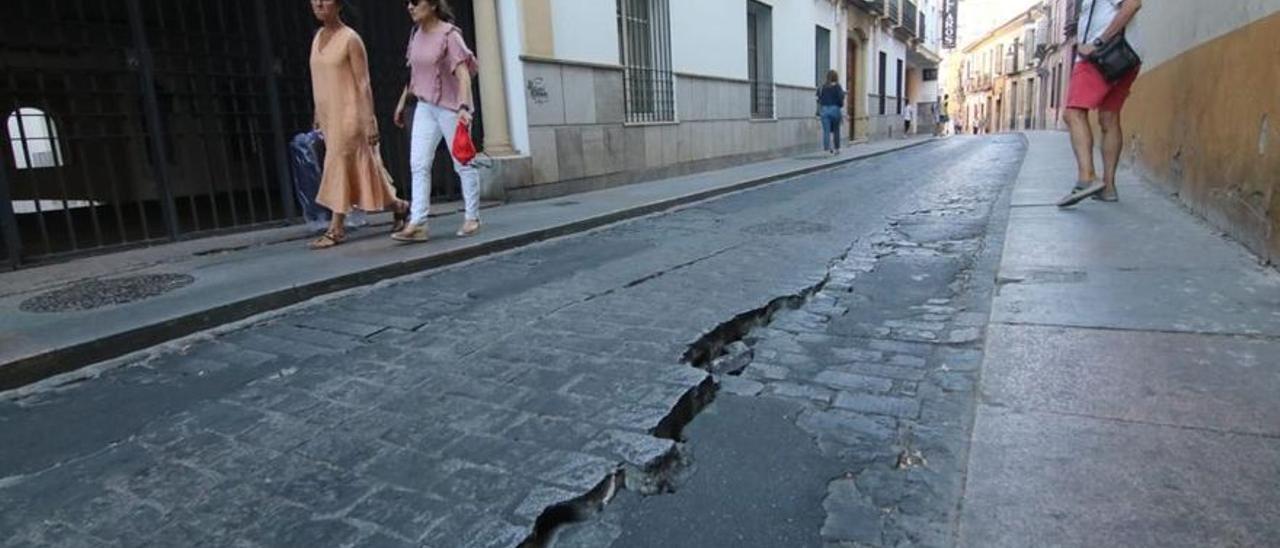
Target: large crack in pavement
column 720, row 351
column 896, row 427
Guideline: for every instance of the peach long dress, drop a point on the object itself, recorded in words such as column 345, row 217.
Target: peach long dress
column 354, row 176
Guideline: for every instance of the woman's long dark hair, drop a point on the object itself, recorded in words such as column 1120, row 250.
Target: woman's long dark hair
column 444, row 11
column 350, row 14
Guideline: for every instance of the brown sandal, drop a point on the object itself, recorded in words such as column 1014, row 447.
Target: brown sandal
column 400, row 219
column 328, row 240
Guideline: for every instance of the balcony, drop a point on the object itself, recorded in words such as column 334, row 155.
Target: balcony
column 871, row 6
column 893, row 12
column 910, row 18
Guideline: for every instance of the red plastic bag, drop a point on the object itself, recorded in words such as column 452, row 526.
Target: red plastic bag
column 464, row 150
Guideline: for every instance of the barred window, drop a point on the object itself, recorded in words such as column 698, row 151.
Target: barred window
column 760, row 58
column 644, row 36
column 33, row 139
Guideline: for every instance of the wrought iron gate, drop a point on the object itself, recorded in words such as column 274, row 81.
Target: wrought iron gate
column 129, row 122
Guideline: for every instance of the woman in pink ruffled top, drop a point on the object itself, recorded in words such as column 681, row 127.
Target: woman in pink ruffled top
column 441, row 67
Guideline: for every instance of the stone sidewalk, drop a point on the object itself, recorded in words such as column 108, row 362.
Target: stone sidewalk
column 205, row 283
column 1129, row 389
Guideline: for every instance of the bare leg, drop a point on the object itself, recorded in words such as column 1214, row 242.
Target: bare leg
column 1112, row 145
column 1081, row 142
column 338, row 225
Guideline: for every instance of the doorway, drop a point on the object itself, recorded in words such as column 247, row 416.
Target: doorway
column 851, row 87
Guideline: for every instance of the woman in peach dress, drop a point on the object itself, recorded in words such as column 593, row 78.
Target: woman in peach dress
column 354, row 177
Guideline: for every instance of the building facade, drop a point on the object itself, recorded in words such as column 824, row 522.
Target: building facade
column 619, row 91
column 1204, row 115
column 1012, row 78
column 892, row 54
column 134, row 122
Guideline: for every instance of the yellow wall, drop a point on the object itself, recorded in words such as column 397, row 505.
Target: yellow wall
column 536, row 19
column 1207, row 123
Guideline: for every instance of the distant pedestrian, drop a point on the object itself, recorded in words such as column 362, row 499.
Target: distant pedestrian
column 354, row 177
column 831, row 110
column 940, row 120
column 1103, row 23
column 441, row 67
column 908, row 116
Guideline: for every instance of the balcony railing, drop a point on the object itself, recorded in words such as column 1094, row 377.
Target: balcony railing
column 893, row 12
column 873, row 6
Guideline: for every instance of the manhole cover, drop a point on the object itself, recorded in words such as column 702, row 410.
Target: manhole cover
column 787, row 228
column 91, row 294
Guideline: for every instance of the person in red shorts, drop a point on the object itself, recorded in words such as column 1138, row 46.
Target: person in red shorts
column 1089, row 90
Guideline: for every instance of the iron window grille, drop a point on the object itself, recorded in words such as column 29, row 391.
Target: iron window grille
column 132, row 122
column 644, row 34
column 33, row 139
column 760, row 58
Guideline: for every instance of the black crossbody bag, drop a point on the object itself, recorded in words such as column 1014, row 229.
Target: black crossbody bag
column 1115, row 58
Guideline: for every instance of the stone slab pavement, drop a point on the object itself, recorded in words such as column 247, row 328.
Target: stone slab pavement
column 450, row 408
column 234, row 277
column 1129, row 389
column 849, row 422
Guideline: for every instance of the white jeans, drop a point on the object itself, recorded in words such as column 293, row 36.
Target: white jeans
column 430, row 123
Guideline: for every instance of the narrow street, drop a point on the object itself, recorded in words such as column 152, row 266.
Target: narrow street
column 717, row 375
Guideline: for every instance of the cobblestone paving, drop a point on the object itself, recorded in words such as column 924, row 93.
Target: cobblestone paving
column 453, row 408
column 880, row 358
column 886, row 356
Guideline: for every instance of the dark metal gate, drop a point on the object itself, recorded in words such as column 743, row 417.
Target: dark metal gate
column 129, row 122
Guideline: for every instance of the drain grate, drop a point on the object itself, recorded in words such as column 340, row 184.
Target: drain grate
column 91, row 294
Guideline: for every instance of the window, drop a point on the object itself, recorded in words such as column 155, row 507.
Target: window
column 760, row 58
column 899, row 86
column 1057, row 87
column 1029, row 107
column 1012, row 105
column 1053, row 87
column 884, row 61
column 33, row 138
column 822, row 55
column 644, row 36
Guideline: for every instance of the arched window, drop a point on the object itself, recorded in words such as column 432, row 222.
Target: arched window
column 33, row 137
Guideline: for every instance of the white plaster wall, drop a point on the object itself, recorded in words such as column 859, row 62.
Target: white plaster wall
column 509, row 30
column 1163, row 29
column 928, row 92
column 894, row 50
column 709, row 37
column 586, row 30
column 794, row 23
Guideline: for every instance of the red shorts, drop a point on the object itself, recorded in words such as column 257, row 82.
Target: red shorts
column 1089, row 90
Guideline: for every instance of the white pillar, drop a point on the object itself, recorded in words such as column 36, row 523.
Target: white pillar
column 493, row 93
